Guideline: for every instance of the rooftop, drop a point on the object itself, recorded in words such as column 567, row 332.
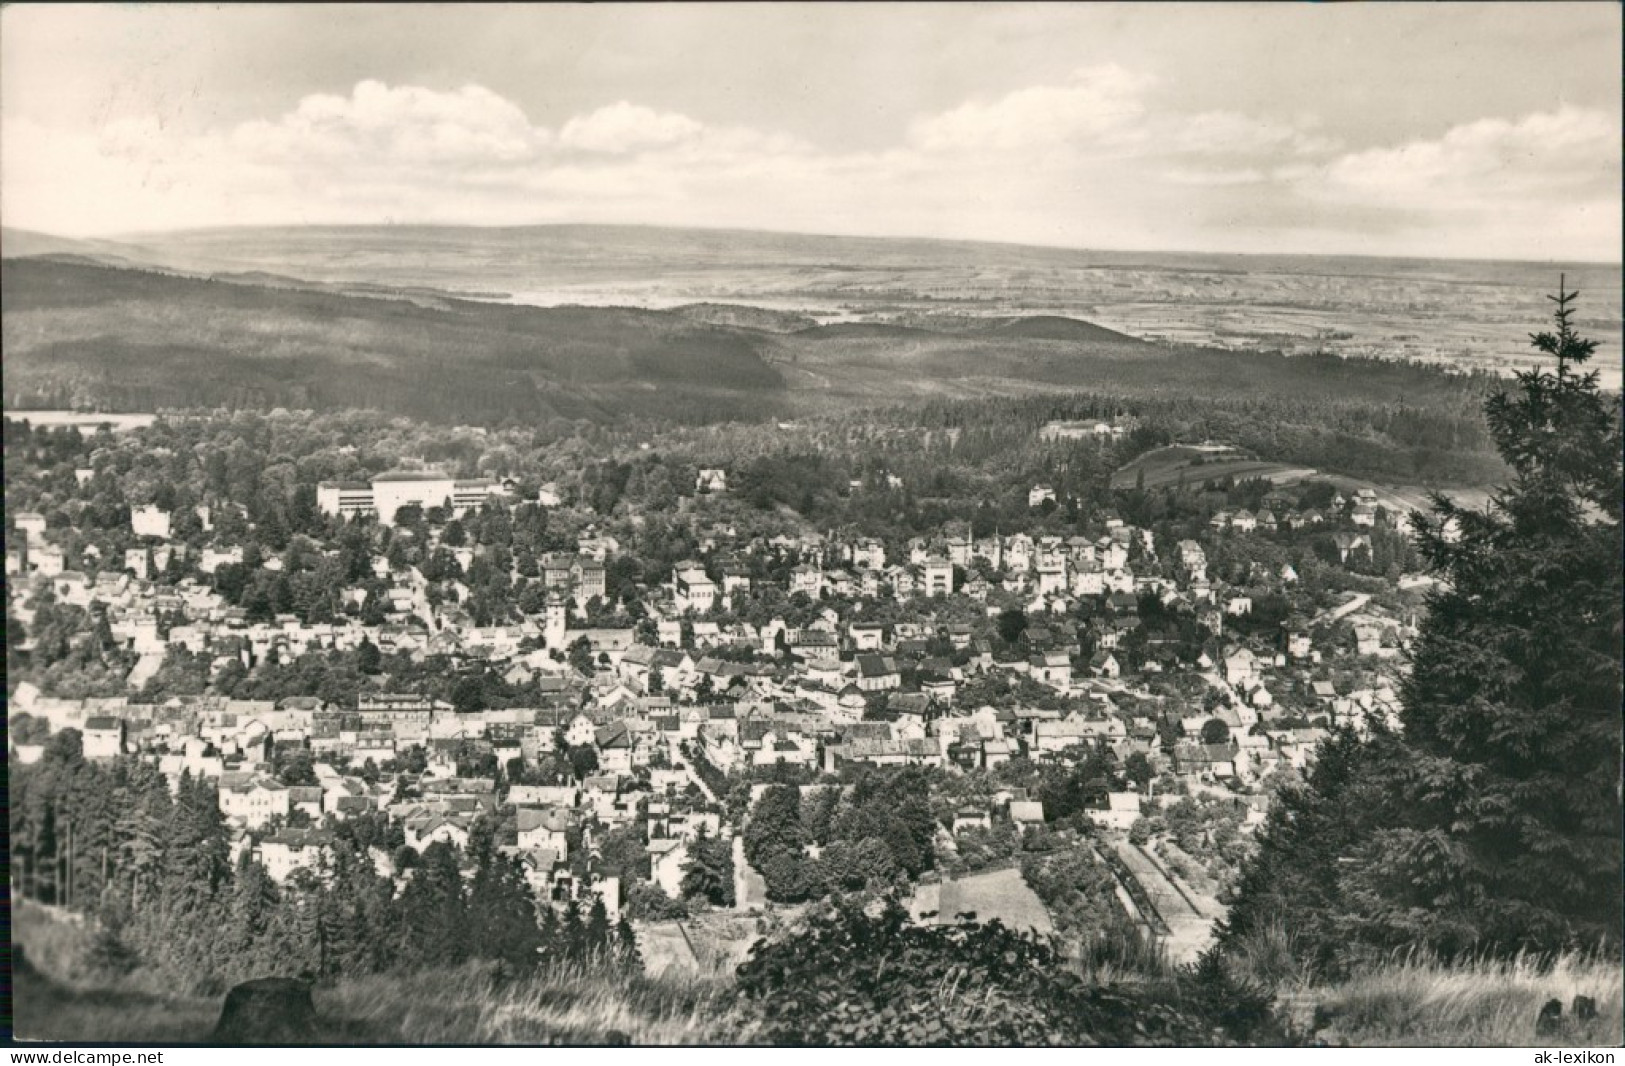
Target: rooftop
column 411, row 475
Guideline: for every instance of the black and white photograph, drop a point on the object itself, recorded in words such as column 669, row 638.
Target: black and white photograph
column 882, row 525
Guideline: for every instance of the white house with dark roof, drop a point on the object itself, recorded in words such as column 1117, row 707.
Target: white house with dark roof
column 295, row 849
column 667, row 857
column 102, row 737
column 878, row 673
column 544, row 829
column 252, row 800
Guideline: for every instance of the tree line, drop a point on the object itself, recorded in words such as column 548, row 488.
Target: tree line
column 153, row 865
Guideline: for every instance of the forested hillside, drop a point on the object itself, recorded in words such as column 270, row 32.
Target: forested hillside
column 84, row 335
column 79, row 334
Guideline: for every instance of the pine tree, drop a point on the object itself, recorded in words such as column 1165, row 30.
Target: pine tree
column 196, row 868
column 433, row 927
column 571, row 936
column 548, row 927
column 501, row 914
column 295, row 930
column 244, row 935
column 626, row 945
column 355, row 913
column 1492, row 821
column 141, row 833
column 1295, row 880
column 708, row 874
column 1510, row 834
column 599, row 936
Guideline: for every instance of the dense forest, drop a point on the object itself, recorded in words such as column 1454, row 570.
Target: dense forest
column 144, row 341
column 154, row 866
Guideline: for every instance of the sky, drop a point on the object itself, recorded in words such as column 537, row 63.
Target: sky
column 1445, row 130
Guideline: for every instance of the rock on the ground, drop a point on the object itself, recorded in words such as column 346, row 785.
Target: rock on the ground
column 270, row 1010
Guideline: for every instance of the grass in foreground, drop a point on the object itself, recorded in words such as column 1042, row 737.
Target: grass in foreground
column 1484, row 1003
column 61, row 996
column 568, row 1005
column 464, row 1006
column 1418, row 1000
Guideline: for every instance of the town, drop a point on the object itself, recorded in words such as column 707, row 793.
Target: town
column 1123, row 674
column 717, row 525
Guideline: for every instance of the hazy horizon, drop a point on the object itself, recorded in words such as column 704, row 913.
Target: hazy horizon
column 135, row 236
column 1467, row 131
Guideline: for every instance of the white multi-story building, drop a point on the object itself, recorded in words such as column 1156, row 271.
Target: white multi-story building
column 937, row 577
column 869, row 555
column 102, row 738
column 293, row 849
column 346, row 498
column 150, row 522
column 694, row 591
column 808, row 579
column 389, row 492
column 253, row 801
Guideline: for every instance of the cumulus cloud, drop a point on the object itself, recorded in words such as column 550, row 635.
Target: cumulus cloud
column 1543, row 186
column 627, row 127
column 1103, row 112
column 1489, row 163
column 1096, row 104
column 400, row 125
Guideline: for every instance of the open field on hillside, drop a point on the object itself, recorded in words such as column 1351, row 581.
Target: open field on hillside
column 996, row 894
column 1194, row 467
column 709, row 945
column 1160, row 473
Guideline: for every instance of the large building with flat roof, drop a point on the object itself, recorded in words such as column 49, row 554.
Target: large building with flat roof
column 387, row 493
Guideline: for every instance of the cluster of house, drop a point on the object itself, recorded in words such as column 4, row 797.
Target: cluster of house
column 836, row 688
column 1365, row 511
column 648, row 739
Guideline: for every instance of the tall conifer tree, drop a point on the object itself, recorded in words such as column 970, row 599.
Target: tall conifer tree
column 1492, row 820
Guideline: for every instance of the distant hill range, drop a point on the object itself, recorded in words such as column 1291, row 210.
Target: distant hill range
column 481, row 325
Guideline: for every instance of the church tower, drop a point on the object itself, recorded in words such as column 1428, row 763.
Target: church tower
column 556, row 623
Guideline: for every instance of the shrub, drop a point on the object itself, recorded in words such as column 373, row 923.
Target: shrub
column 898, row 983
column 649, row 902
